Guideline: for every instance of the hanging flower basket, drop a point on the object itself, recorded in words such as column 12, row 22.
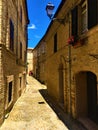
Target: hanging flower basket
column 75, row 41
column 71, row 41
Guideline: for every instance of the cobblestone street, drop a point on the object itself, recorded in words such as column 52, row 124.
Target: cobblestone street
column 31, row 111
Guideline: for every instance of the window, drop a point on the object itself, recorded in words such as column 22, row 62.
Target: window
column 11, row 36
column 55, row 43
column 20, row 50
column 10, row 92
column 92, row 13
column 83, row 16
column 75, row 21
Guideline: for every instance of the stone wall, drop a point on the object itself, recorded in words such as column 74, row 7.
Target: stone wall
column 74, row 59
column 12, row 62
column 71, row 70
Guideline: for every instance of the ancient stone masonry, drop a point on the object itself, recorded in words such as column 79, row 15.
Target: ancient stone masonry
column 13, row 47
column 71, row 71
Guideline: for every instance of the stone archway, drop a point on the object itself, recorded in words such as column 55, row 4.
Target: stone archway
column 86, row 95
column 92, row 95
column 62, row 77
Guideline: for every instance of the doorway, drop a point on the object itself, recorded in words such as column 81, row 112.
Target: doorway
column 92, row 95
column 86, row 95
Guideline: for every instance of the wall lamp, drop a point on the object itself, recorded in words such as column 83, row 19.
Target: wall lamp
column 49, row 9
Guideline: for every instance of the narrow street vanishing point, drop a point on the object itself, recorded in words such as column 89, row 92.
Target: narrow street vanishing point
column 31, row 111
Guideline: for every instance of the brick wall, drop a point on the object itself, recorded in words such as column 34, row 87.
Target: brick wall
column 12, row 66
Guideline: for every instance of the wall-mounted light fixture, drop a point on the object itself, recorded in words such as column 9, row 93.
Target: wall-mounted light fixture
column 49, row 9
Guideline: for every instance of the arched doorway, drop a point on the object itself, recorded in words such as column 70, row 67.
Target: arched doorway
column 92, row 95
column 86, row 95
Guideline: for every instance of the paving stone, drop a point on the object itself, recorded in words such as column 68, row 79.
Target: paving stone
column 31, row 111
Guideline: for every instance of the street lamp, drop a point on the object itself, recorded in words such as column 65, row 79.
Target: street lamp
column 49, row 9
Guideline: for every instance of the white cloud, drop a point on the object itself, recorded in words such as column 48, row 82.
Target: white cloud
column 32, row 26
column 36, row 36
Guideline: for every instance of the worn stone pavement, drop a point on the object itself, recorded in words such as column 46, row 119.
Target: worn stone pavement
column 31, row 111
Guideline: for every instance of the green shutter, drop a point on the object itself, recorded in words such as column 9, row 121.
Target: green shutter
column 74, row 13
column 92, row 13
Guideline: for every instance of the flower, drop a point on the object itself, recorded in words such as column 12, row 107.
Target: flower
column 71, row 40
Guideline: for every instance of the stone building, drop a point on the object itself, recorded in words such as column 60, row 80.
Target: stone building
column 29, row 60
column 13, row 49
column 72, row 58
column 39, row 60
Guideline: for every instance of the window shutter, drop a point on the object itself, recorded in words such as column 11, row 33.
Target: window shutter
column 11, row 29
column 92, row 13
column 75, row 21
column 20, row 50
column 11, row 35
column 55, row 43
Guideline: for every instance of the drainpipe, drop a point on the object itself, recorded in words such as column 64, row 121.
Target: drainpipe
column 17, row 34
column 69, row 67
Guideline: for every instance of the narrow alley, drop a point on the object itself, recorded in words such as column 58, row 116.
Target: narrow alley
column 31, row 112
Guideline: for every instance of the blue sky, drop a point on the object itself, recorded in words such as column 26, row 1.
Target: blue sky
column 39, row 21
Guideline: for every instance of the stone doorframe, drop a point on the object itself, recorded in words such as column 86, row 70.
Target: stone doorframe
column 9, row 79
column 82, row 91
column 62, row 70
